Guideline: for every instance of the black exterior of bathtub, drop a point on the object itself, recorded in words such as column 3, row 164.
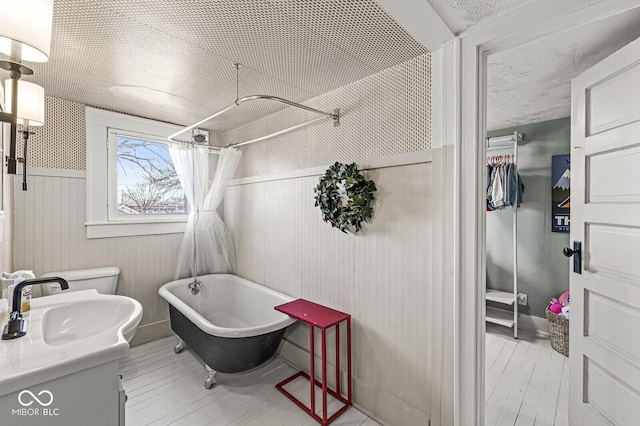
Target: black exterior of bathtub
column 225, row 354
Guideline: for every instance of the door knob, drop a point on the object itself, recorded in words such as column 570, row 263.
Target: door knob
column 577, row 259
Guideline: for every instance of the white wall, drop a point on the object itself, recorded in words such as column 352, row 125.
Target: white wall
column 392, row 276
column 382, row 276
column 50, row 232
column 49, row 219
column 51, row 236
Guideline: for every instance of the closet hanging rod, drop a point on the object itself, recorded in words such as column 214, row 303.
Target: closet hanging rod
column 335, row 115
column 500, row 142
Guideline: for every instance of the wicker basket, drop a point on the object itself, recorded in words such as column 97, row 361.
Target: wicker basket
column 559, row 328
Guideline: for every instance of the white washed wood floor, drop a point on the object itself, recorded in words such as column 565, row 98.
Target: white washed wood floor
column 527, row 382
column 167, row 389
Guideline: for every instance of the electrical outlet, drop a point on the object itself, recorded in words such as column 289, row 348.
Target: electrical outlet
column 522, row 299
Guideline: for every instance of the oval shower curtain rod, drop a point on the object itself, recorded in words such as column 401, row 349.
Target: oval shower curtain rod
column 335, row 115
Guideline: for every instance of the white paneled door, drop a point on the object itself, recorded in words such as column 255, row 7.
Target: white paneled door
column 605, row 219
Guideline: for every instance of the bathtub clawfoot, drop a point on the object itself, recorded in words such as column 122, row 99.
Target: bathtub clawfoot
column 179, row 346
column 211, row 379
column 227, row 349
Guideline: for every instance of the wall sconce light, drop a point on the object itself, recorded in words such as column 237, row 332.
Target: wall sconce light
column 25, row 34
column 30, row 112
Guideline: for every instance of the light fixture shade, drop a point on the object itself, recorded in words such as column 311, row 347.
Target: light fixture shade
column 26, row 24
column 30, row 101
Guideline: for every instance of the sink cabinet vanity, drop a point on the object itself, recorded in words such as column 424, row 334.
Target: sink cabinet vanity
column 64, row 371
column 88, row 397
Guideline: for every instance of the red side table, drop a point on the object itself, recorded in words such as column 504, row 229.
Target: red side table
column 323, row 318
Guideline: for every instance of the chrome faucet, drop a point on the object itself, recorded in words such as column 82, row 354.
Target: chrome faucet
column 15, row 326
column 195, row 286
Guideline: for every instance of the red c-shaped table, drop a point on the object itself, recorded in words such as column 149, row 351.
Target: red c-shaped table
column 322, row 317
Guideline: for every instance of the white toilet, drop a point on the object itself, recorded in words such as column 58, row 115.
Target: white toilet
column 104, row 280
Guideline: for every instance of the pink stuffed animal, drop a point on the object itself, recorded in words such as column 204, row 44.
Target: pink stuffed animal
column 564, row 299
column 555, row 307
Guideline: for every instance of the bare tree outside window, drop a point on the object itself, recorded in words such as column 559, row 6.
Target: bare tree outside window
column 147, row 179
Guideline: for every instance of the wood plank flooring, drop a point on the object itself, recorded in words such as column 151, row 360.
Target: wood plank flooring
column 527, row 382
column 167, row 389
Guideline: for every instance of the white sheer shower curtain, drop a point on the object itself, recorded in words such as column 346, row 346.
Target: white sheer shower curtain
column 206, row 237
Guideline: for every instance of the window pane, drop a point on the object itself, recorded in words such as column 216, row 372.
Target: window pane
column 147, row 180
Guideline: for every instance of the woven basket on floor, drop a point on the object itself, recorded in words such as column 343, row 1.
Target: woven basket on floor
column 559, row 328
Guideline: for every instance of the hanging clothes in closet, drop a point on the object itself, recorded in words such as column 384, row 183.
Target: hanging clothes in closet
column 504, row 186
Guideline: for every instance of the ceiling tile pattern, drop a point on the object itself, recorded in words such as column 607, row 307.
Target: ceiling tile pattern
column 358, row 28
column 172, row 60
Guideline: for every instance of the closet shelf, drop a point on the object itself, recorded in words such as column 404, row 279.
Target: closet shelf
column 498, row 296
column 500, row 317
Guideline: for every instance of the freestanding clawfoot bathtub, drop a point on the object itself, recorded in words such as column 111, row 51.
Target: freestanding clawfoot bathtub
column 228, row 321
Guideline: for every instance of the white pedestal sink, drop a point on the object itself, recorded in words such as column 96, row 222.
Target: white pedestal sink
column 65, row 369
column 68, row 323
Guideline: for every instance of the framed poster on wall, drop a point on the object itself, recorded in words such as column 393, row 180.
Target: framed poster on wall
column 560, row 193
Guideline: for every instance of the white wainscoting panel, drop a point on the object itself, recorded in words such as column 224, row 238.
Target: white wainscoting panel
column 244, row 214
column 393, row 286
column 327, row 257
column 327, row 271
column 382, row 276
column 283, row 207
column 50, row 236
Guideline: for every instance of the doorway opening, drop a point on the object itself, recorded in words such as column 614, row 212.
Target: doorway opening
column 528, row 93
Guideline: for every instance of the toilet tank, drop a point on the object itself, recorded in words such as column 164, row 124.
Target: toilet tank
column 104, row 280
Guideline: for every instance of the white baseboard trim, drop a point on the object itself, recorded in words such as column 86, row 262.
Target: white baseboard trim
column 298, row 357
column 150, row 332
column 539, row 326
column 387, row 409
column 381, row 406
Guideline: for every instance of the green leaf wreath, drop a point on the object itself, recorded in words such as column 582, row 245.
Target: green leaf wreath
column 359, row 192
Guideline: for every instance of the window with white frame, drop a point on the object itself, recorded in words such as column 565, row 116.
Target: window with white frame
column 144, row 183
column 132, row 185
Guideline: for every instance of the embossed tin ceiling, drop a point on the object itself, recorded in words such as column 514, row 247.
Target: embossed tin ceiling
column 172, row 60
